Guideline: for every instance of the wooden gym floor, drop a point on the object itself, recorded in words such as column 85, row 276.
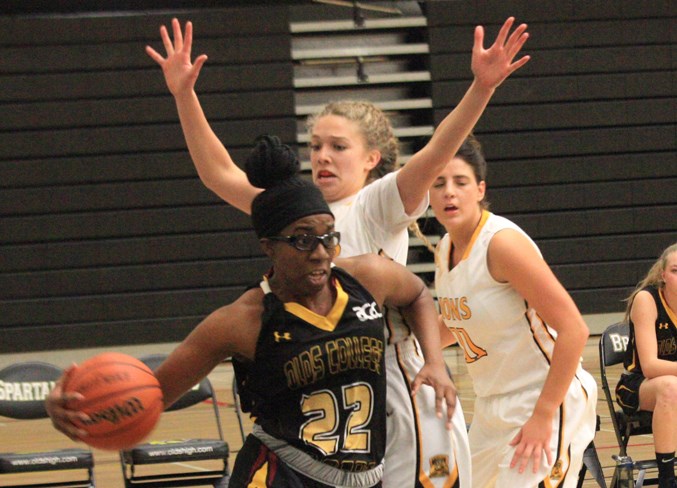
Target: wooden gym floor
column 38, row 434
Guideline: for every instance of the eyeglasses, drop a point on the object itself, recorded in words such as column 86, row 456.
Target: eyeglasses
column 308, row 242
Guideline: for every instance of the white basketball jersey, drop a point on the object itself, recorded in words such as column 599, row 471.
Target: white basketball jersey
column 507, row 346
column 374, row 221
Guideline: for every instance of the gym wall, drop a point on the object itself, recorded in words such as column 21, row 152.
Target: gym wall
column 107, row 236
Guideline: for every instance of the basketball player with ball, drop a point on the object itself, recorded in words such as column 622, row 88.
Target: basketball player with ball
column 307, row 342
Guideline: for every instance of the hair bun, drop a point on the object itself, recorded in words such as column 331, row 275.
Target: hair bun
column 270, row 162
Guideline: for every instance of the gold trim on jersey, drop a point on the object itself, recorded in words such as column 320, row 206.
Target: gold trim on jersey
column 327, row 323
column 422, row 476
column 633, row 364
column 537, row 323
column 671, row 314
column 560, row 469
column 475, row 235
column 483, row 220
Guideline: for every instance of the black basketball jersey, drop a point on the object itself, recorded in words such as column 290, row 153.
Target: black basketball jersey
column 318, row 382
column 666, row 334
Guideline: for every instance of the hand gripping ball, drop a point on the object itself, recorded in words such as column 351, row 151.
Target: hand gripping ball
column 122, row 397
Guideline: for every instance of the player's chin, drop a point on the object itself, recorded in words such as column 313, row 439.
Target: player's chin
column 329, row 186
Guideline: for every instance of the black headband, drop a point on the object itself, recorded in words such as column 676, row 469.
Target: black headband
column 278, row 206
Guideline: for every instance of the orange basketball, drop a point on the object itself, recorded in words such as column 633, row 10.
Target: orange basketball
column 121, row 396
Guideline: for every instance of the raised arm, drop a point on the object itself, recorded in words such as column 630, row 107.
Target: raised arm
column 214, row 165
column 490, row 68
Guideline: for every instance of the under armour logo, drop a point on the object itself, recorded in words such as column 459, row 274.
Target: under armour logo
column 284, row 336
column 663, row 325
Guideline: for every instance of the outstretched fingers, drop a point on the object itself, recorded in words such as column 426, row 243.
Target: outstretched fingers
column 180, row 42
column 154, row 55
column 188, row 37
column 516, row 41
column 518, row 64
column 503, row 33
column 178, row 35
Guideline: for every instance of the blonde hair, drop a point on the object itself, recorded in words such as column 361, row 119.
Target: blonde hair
column 374, row 126
column 414, row 227
column 652, row 278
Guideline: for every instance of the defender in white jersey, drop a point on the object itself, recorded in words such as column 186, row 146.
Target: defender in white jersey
column 522, row 336
column 352, row 146
column 376, row 216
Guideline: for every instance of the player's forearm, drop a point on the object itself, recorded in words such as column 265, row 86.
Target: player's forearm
column 658, row 367
column 208, row 153
column 456, row 126
column 418, row 175
column 564, row 363
column 423, row 318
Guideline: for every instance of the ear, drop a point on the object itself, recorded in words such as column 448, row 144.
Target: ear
column 482, row 189
column 373, row 159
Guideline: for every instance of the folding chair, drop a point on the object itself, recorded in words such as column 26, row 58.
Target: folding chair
column 236, row 404
column 23, row 389
column 179, row 462
column 591, row 464
column 612, row 346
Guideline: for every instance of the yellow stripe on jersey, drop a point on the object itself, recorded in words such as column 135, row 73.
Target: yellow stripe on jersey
column 475, row 235
column 560, row 470
column 671, row 313
column 537, row 324
column 451, row 481
column 327, row 323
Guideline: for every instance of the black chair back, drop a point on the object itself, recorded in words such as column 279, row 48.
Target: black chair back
column 24, row 387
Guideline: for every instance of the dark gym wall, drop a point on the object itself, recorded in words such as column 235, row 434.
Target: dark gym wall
column 581, row 142
column 108, row 237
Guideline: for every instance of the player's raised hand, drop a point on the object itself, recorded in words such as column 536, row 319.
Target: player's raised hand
column 179, row 71
column 493, row 65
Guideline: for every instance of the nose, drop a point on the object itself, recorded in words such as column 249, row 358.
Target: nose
column 321, row 153
column 320, row 252
column 449, row 189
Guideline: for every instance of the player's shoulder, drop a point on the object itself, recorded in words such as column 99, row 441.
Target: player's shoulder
column 246, row 307
column 362, row 264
